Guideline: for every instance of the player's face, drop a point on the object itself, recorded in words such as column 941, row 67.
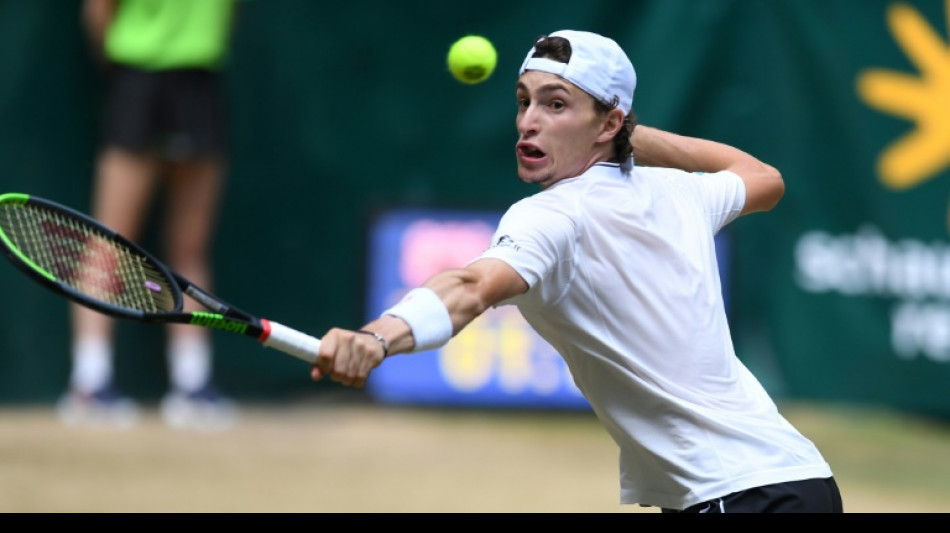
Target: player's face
column 560, row 135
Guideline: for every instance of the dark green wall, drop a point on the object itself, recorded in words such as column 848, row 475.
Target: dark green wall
column 342, row 110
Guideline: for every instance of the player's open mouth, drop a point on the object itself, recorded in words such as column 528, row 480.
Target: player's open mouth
column 529, row 151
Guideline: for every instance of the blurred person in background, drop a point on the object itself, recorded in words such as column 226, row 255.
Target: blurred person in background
column 614, row 264
column 164, row 130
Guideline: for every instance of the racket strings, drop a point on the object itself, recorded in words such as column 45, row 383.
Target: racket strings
column 87, row 259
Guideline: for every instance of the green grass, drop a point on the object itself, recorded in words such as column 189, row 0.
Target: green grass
column 883, row 451
column 329, row 456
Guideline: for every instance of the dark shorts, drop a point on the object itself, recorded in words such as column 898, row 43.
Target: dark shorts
column 806, row 496
column 176, row 114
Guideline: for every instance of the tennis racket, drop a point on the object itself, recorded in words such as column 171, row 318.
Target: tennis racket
column 79, row 258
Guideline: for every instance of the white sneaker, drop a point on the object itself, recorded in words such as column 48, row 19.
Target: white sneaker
column 204, row 409
column 103, row 408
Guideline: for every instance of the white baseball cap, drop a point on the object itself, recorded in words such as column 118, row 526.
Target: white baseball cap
column 597, row 65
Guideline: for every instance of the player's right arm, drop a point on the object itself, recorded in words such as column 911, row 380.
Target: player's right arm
column 764, row 186
column 348, row 356
column 468, row 292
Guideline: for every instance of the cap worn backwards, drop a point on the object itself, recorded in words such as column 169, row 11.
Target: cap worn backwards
column 597, row 65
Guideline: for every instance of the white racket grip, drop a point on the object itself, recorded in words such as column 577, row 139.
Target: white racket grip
column 289, row 340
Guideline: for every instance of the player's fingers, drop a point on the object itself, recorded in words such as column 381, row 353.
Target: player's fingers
column 329, row 348
column 353, row 369
column 358, row 368
column 315, row 373
column 364, row 346
column 346, row 352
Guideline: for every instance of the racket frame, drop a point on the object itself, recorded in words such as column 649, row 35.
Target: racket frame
column 221, row 316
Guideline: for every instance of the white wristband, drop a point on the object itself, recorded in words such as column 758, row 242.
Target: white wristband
column 427, row 317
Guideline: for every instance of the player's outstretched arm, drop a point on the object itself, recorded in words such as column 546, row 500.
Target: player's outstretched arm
column 658, row 148
column 438, row 310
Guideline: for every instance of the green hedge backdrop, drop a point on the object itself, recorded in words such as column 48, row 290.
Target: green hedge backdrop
column 340, row 110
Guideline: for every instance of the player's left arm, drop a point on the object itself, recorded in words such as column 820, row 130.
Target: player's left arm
column 348, row 356
column 764, row 186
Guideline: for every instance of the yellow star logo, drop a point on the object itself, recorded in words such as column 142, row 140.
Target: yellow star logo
column 925, row 100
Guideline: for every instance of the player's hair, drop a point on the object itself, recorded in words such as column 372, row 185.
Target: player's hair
column 559, row 49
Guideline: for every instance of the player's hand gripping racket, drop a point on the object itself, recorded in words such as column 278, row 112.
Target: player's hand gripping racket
column 76, row 256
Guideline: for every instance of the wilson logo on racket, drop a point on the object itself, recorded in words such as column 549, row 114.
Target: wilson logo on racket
column 216, row 321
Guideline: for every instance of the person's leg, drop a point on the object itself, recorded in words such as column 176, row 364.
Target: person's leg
column 192, row 213
column 123, row 187
column 194, row 188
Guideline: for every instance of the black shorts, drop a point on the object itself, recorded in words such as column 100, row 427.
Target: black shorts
column 805, row 496
column 174, row 114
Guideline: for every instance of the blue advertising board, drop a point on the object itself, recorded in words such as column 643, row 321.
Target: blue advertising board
column 497, row 361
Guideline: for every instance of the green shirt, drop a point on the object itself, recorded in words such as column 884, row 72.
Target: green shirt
column 166, row 34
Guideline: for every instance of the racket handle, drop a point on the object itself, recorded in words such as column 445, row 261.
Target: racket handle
column 289, row 340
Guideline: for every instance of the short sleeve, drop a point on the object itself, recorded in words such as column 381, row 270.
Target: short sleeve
column 533, row 238
column 723, row 196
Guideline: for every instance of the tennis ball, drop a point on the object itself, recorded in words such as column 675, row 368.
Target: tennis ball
column 472, row 59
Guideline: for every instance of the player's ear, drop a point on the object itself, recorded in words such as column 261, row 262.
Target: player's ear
column 613, row 122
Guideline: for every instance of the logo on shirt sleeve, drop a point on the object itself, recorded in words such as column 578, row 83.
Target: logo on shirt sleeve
column 505, row 241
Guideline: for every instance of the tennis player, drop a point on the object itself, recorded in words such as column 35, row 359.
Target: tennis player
column 614, row 265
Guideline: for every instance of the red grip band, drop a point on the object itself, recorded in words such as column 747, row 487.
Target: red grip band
column 265, row 330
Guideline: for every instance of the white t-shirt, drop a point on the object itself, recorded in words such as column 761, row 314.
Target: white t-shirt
column 624, row 284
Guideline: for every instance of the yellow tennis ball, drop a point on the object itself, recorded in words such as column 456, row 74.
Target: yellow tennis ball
column 472, row 59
